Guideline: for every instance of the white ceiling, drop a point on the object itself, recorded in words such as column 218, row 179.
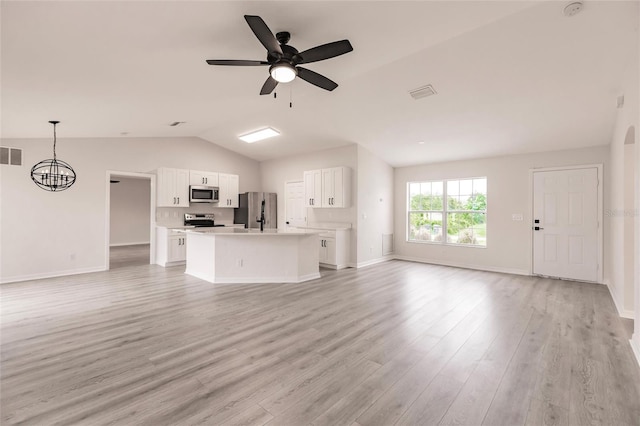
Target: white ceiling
column 511, row 76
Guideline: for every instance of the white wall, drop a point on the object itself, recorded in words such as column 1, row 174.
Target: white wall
column 375, row 205
column 47, row 234
column 508, row 192
column 130, row 223
column 276, row 172
column 623, row 186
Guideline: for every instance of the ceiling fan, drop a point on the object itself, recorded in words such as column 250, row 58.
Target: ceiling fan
column 283, row 59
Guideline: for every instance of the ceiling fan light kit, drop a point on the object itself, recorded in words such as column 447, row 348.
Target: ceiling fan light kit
column 284, row 59
column 283, row 72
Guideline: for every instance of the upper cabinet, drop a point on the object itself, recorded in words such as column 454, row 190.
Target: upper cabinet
column 328, row 188
column 173, row 187
column 229, row 188
column 203, row 178
column 313, row 188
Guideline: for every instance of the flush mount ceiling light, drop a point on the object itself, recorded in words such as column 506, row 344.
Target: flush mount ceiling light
column 53, row 174
column 283, row 72
column 258, row 135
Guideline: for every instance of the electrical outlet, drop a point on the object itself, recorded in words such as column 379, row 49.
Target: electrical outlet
column 239, row 263
column 72, row 256
column 517, row 217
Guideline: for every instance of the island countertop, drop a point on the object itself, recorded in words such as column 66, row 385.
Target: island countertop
column 248, row 232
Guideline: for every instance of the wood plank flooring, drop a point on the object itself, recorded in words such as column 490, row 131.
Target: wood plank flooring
column 396, row 343
column 124, row 256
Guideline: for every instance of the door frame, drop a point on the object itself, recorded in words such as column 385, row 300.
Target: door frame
column 600, row 168
column 152, row 212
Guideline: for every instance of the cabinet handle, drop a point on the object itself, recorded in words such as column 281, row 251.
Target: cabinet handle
column 174, row 200
column 178, row 200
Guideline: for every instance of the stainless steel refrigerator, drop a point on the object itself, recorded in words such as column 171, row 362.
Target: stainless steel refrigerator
column 250, row 208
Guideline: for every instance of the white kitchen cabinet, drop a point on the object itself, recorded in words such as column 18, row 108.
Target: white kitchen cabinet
column 171, row 247
column 197, row 177
column 313, row 188
column 173, row 187
column 334, row 248
column 328, row 188
column 336, row 187
column 229, row 188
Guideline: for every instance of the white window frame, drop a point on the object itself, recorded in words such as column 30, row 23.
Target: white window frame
column 445, row 211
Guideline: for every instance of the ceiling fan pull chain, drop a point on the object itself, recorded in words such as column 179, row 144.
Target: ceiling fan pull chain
column 291, row 96
column 275, row 95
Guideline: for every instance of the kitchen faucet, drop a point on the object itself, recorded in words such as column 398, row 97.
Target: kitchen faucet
column 261, row 221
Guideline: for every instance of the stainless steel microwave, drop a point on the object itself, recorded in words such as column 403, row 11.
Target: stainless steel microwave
column 203, row 194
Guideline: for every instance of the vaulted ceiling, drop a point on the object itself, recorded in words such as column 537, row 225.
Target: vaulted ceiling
column 511, row 77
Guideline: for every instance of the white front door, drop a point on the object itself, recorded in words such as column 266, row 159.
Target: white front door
column 565, row 228
column 295, row 204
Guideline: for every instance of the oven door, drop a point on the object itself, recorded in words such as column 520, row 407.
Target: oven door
column 203, row 194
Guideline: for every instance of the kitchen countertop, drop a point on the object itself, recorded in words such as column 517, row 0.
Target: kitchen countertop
column 242, row 231
column 329, row 226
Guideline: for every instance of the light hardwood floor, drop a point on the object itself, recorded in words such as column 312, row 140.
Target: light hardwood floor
column 124, row 256
column 396, row 343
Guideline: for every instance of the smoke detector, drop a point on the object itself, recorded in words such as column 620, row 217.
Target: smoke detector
column 573, row 8
column 422, row 92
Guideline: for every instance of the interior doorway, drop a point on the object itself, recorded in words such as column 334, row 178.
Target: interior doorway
column 130, row 228
column 295, row 212
column 567, row 218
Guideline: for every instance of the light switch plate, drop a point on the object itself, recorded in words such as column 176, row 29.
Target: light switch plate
column 517, row 217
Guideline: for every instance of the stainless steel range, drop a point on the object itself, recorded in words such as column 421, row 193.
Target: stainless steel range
column 199, row 220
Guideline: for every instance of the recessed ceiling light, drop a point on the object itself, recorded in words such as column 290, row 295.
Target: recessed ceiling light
column 421, row 143
column 573, row 8
column 258, row 135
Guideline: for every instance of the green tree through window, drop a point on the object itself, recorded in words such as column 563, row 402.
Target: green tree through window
column 462, row 218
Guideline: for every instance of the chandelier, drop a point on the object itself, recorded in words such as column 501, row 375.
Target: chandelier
column 53, row 174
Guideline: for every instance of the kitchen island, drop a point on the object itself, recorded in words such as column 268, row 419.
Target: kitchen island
column 235, row 255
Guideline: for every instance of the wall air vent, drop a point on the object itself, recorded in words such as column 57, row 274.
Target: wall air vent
column 422, row 92
column 10, row 156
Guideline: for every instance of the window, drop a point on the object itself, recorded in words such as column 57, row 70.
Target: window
column 461, row 220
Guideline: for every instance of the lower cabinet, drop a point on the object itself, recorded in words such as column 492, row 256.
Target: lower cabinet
column 334, row 248
column 171, row 247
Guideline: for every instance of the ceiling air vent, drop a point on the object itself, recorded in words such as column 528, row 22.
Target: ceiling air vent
column 422, row 92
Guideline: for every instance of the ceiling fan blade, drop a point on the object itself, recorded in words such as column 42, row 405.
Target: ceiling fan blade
column 268, row 86
column 238, row 62
column 316, row 79
column 326, row 51
column 263, row 33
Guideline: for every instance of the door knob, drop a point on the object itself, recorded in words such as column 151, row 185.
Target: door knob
column 537, row 228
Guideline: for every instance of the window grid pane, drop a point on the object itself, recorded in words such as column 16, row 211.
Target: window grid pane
column 463, row 218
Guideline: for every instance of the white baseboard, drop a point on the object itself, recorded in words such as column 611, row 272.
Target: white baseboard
column 129, row 244
column 466, row 266
column 41, row 276
column 374, row 261
column 635, row 346
column 624, row 313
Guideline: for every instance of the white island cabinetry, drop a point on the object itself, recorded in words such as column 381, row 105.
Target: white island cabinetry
column 173, row 187
column 234, row 255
